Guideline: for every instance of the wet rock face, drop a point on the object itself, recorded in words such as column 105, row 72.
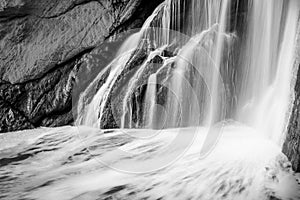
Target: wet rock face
column 42, row 43
column 35, row 103
column 291, row 146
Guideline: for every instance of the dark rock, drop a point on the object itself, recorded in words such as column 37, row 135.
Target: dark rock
column 42, row 45
column 11, row 119
column 291, row 146
column 38, row 35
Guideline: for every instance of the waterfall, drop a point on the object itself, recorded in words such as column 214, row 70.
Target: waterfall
column 196, row 63
column 267, row 69
column 195, row 69
column 150, row 101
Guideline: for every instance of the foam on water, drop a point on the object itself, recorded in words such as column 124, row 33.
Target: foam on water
column 84, row 163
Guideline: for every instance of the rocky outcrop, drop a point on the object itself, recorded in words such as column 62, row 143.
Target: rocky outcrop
column 42, row 43
column 291, row 146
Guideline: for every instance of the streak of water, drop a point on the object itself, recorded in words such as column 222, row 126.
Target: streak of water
column 217, row 71
column 63, row 163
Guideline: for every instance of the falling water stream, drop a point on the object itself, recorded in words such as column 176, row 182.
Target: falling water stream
column 217, row 71
column 141, row 122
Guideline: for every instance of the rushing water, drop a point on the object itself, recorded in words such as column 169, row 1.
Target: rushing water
column 228, row 60
column 84, row 163
column 194, row 65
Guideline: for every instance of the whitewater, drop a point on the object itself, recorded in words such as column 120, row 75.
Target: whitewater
column 85, row 163
column 202, row 113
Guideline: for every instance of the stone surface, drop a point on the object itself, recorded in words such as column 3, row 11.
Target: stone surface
column 291, row 146
column 42, row 43
column 48, row 33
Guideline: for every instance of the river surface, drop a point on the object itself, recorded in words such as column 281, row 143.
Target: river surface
column 86, row 163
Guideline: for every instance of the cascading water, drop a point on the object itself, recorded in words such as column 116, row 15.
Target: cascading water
column 150, row 101
column 193, row 64
column 216, row 71
column 267, row 69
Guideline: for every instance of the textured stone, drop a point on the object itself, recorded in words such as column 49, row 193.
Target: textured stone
column 42, row 45
column 39, row 41
column 291, row 146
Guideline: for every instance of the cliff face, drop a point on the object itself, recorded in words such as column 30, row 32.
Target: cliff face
column 42, row 43
column 291, row 146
